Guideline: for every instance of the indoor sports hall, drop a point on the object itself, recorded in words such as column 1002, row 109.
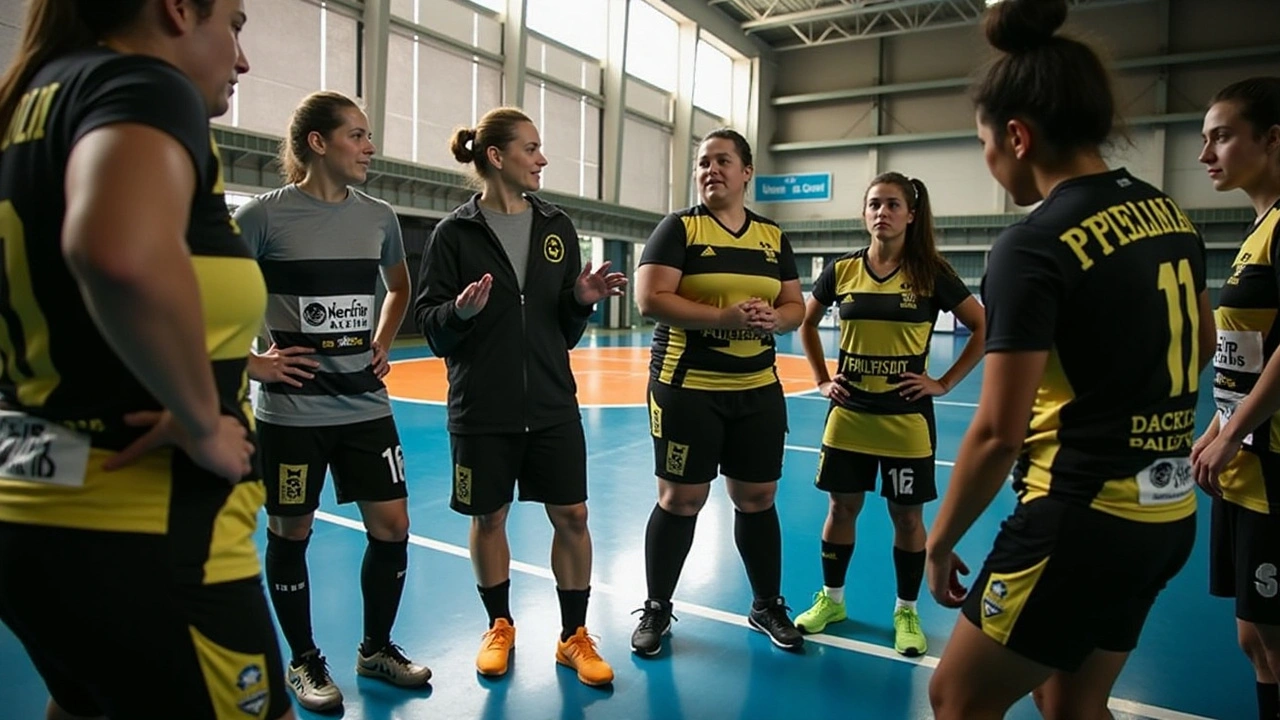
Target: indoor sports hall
column 830, row 93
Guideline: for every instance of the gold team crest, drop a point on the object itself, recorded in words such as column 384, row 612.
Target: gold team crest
column 553, row 248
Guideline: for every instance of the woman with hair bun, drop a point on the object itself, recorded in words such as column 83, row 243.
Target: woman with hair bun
column 1098, row 326
column 502, row 297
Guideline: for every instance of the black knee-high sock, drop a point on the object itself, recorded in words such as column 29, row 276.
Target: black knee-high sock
column 286, row 569
column 835, row 563
column 1268, row 701
column 382, row 583
column 666, row 545
column 909, row 569
column 759, row 540
column 573, row 611
column 497, row 601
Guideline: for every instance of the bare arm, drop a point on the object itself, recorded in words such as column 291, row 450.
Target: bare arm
column 811, row 340
column 129, row 189
column 789, row 306
column 971, row 313
column 656, row 295
column 394, row 304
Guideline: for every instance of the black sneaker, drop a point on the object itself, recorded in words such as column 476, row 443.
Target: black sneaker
column 772, row 620
column 654, row 623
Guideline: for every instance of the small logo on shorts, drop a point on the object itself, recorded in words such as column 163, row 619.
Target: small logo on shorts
column 253, row 696
column 999, row 589
column 677, row 454
column 990, row 608
column 1265, row 582
column 655, row 417
column 822, row 458
column 462, row 484
column 293, row 484
column 553, row 248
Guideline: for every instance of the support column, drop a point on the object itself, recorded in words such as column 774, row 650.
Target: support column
column 377, row 31
column 1160, row 132
column 682, row 135
column 515, row 43
column 877, row 115
column 615, row 101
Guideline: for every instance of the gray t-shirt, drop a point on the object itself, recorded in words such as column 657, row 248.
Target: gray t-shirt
column 513, row 232
column 321, row 262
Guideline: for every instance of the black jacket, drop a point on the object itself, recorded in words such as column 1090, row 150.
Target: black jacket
column 509, row 364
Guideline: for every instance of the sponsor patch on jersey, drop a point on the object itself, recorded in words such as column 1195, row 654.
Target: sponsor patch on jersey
column 1240, row 351
column 37, row 450
column 328, row 314
column 1164, row 481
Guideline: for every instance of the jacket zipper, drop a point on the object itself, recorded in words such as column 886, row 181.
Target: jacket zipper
column 524, row 329
column 524, row 362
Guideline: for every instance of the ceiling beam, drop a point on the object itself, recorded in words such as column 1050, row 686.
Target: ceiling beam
column 859, row 8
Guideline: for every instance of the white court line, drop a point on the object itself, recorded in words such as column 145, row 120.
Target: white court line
column 710, row 613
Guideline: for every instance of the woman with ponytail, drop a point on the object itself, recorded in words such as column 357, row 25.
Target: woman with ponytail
column 129, row 490
column 1098, row 327
column 881, row 420
column 503, row 297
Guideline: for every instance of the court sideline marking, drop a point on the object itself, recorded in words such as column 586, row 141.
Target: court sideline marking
column 710, row 613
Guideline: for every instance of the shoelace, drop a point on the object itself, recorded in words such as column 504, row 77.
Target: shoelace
column 912, row 620
column 585, row 646
column 650, row 617
column 494, row 637
column 396, row 654
column 317, row 671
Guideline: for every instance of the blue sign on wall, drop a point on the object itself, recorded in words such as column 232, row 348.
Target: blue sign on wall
column 812, row 187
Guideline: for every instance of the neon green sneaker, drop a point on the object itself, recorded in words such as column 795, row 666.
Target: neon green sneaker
column 824, row 612
column 908, row 638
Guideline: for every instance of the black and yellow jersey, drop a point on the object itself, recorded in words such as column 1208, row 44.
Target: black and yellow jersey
column 1248, row 335
column 885, row 329
column 719, row 267
column 1105, row 275
column 65, row 391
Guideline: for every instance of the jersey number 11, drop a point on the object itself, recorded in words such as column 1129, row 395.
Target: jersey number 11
column 1184, row 376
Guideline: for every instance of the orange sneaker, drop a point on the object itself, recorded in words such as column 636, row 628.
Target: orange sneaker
column 579, row 653
column 495, row 648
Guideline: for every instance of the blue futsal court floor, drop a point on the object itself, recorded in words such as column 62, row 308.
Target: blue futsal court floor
column 714, row 666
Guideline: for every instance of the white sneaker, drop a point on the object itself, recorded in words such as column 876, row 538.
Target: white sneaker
column 391, row 665
column 311, row 685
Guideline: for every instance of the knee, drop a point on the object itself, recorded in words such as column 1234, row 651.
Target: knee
column 392, row 529
column 754, row 498
column 1253, row 646
column 942, row 700
column 571, row 519
column 908, row 522
column 844, row 512
column 494, row 523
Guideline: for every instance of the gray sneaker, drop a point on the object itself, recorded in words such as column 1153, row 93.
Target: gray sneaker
column 391, row 665
column 308, row 678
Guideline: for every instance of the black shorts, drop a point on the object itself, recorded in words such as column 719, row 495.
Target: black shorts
column 906, row 481
column 112, row 634
column 1063, row 580
column 699, row 434
column 550, row 465
column 366, row 459
column 1244, row 554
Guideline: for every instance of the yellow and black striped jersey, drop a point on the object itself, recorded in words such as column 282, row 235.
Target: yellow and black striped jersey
column 1105, row 275
column 1248, row 335
column 719, row 267
column 885, row 329
column 64, row 390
